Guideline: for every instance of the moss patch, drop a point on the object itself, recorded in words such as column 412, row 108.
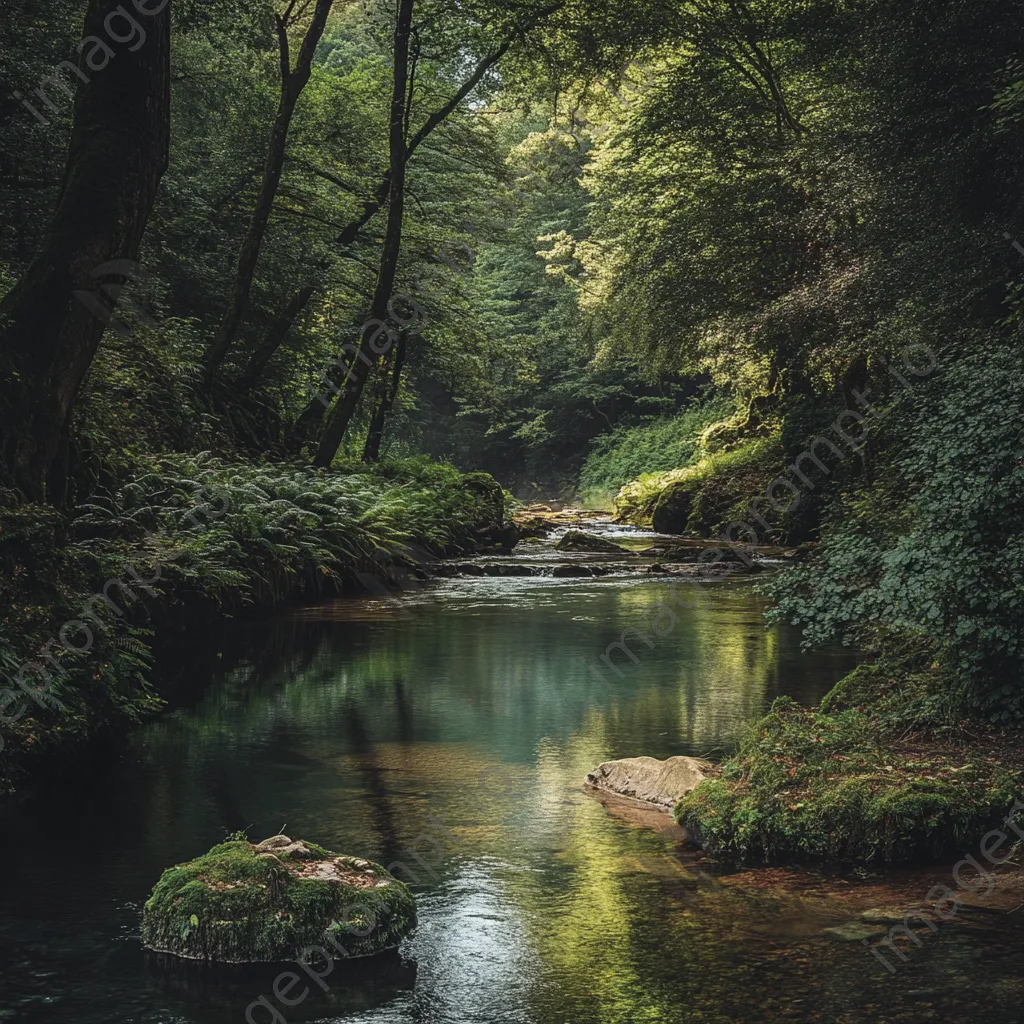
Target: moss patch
column 704, row 496
column 834, row 784
column 245, row 903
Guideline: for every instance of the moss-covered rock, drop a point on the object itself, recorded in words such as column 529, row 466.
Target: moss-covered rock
column 702, row 497
column 576, row 540
column 246, row 903
column 494, row 530
column 672, row 508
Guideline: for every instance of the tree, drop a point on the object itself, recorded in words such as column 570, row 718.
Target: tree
column 49, row 328
column 387, row 392
column 293, row 81
column 521, row 20
column 341, row 413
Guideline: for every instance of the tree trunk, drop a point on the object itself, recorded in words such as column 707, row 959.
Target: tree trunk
column 386, row 402
column 276, row 335
column 438, row 117
column 292, row 84
column 371, row 207
column 340, row 415
column 54, row 318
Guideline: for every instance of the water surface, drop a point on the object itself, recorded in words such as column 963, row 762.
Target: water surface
column 450, row 731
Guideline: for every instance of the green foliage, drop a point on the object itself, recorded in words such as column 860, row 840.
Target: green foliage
column 234, row 534
column 831, row 785
column 772, row 198
column 651, row 448
column 934, row 550
column 722, row 483
column 141, row 400
column 66, row 693
column 237, row 904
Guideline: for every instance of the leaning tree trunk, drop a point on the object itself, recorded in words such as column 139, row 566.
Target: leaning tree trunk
column 52, row 320
column 385, row 403
column 274, row 337
column 292, row 84
column 340, row 415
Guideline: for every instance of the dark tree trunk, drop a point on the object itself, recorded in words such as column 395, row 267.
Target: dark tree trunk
column 385, row 403
column 276, row 335
column 54, row 317
column 292, row 84
column 308, row 424
column 341, row 413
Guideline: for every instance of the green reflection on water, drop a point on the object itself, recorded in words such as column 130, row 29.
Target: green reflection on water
column 366, row 724
column 458, row 726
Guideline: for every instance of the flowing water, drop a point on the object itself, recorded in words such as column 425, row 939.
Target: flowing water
column 450, row 730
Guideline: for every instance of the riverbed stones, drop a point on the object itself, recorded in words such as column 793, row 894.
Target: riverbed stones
column 663, row 783
column 533, row 527
column 267, row 902
column 704, row 553
column 576, row 540
column 854, row 931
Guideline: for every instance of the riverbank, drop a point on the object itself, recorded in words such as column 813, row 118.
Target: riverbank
column 856, row 781
column 907, row 760
column 189, row 539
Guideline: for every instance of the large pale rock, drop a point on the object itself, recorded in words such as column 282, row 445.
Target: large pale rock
column 663, row 783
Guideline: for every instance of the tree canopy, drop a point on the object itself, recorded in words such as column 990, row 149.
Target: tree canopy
column 642, row 244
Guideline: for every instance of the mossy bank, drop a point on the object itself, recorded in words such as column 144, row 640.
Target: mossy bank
column 245, row 903
column 850, row 782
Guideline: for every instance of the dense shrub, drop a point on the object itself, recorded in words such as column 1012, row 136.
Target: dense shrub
column 934, row 549
column 659, row 446
column 67, row 695
column 722, row 483
column 236, row 534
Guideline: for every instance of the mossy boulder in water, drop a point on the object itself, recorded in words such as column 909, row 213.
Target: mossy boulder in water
column 576, row 540
column 246, row 903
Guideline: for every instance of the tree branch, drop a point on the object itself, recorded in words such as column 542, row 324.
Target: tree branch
column 440, row 115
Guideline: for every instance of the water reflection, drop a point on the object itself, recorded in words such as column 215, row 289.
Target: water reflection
column 216, row 993
column 452, row 733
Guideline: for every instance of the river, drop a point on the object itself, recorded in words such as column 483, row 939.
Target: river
column 457, row 722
